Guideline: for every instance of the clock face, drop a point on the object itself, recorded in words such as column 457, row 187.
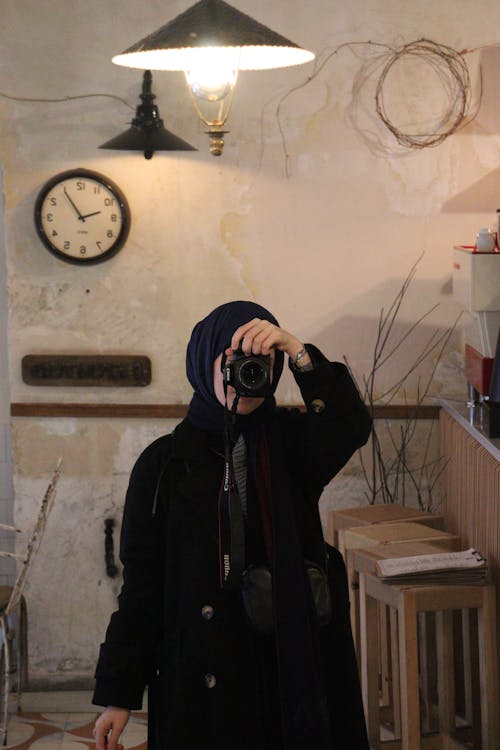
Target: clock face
column 82, row 217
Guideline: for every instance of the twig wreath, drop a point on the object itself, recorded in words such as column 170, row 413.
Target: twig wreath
column 452, row 72
column 454, row 75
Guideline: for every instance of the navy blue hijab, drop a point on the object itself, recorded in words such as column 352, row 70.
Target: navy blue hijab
column 211, row 337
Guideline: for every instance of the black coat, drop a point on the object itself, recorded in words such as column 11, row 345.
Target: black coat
column 211, row 680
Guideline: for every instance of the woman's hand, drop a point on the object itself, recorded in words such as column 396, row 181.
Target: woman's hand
column 109, row 726
column 261, row 337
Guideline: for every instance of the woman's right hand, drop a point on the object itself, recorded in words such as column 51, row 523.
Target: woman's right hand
column 109, row 726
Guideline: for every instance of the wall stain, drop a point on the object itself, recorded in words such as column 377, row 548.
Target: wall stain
column 88, row 451
column 236, row 234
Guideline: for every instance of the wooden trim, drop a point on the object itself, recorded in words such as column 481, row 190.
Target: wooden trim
column 127, row 411
column 178, row 411
column 406, row 411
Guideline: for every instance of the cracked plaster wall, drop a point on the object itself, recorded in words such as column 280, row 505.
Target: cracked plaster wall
column 324, row 248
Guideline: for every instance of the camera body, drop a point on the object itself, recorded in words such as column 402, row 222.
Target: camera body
column 249, row 375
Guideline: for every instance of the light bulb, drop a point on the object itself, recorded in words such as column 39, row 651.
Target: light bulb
column 211, row 72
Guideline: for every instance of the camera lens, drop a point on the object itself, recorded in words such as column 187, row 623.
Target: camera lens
column 252, row 375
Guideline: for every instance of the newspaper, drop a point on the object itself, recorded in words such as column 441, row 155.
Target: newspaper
column 467, row 566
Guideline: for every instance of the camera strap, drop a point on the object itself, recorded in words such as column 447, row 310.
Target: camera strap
column 231, row 519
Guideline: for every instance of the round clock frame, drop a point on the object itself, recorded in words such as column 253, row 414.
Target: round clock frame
column 80, row 211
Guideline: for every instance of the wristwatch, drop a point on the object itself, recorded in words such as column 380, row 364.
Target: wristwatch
column 300, row 356
column 296, row 364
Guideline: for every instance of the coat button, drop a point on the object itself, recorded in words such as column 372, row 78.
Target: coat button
column 207, row 612
column 318, row 406
column 210, row 680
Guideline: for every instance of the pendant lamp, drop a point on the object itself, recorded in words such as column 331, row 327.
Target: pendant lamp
column 211, row 42
column 147, row 133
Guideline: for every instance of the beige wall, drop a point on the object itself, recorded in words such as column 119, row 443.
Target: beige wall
column 324, row 248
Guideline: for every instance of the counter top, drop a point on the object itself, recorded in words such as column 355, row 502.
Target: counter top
column 471, row 419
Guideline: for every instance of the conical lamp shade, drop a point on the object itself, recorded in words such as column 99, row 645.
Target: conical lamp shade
column 148, row 140
column 208, row 24
column 147, row 133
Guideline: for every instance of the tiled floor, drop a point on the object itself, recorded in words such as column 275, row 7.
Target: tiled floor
column 65, row 729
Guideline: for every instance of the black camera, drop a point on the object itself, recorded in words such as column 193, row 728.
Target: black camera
column 250, row 375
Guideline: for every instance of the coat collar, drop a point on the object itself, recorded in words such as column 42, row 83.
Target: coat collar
column 189, row 444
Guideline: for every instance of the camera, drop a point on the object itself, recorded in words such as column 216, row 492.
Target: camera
column 249, row 375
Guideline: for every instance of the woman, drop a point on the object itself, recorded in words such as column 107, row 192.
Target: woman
column 226, row 502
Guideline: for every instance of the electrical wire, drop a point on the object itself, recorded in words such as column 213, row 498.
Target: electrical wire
column 3, row 95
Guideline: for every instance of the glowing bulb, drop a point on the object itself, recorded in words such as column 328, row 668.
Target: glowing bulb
column 212, row 72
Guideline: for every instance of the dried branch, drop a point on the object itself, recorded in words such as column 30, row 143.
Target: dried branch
column 392, row 474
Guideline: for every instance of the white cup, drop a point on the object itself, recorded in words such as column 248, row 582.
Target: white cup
column 485, row 241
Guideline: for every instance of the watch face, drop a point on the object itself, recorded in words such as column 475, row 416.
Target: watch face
column 82, row 217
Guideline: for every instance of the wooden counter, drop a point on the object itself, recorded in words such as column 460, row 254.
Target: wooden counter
column 471, row 484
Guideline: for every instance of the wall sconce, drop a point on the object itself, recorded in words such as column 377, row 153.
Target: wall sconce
column 147, row 132
column 211, row 42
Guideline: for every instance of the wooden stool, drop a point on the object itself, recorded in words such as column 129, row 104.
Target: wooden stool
column 362, row 537
column 408, row 602
column 365, row 515
column 363, row 561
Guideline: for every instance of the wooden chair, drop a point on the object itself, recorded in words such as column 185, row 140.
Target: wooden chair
column 14, row 645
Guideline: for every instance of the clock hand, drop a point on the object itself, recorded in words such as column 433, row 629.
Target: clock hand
column 86, row 216
column 81, row 218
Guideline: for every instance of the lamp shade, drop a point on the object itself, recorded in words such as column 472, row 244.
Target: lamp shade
column 207, row 25
column 147, row 133
column 148, row 140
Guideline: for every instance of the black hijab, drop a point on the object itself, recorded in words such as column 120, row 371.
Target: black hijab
column 211, row 337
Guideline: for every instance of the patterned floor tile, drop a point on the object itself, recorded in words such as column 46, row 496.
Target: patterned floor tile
column 25, row 733
column 82, row 718
column 31, row 730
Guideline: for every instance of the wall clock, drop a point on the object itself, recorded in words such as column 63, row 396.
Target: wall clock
column 82, row 217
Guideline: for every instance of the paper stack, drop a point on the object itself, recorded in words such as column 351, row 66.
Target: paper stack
column 466, row 567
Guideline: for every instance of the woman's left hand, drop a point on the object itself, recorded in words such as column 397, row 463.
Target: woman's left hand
column 261, row 337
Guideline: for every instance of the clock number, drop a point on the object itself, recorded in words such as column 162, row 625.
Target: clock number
column 67, row 245
column 109, row 233
column 54, row 233
column 97, row 189
column 50, row 217
column 108, row 201
column 53, row 201
column 83, row 249
column 80, row 185
column 99, row 243
column 114, row 217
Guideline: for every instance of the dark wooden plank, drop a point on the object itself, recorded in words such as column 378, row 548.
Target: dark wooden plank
column 82, row 370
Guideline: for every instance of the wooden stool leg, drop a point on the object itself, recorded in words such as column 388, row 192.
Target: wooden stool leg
column 488, row 665
column 353, row 582
column 395, row 674
column 467, row 662
column 408, row 665
column 369, row 662
column 423, row 651
column 384, row 656
column 446, row 679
